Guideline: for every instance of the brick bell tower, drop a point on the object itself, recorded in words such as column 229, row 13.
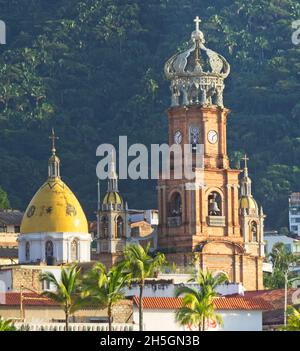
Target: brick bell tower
column 211, row 221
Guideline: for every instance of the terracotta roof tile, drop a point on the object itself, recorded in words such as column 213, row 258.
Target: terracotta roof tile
column 30, row 299
column 221, row 303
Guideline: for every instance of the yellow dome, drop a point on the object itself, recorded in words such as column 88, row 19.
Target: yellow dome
column 248, row 202
column 112, row 197
column 54, row 208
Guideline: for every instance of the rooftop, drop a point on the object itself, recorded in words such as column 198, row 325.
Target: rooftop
column 221, row 303
column 11, row 217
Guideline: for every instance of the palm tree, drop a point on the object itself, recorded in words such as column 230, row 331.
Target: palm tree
column 141, row 265
column 197, row 304
column 6, row 325
column 67, row 290
column 105, row 287
column 293, row 320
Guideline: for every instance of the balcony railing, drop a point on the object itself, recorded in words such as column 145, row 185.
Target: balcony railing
column 73, row 326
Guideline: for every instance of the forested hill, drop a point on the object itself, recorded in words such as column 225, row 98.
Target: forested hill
column 93, row 69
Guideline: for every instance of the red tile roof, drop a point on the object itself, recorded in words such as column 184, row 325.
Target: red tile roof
column 275, row 297
column 30, row 299
column 221, row 303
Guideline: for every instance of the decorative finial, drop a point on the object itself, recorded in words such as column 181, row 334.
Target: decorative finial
column 53, row 138
column 54, row 163
column 245, row 159
column 197, row 21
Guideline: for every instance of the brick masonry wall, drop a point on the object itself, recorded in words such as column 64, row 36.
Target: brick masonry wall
column 29, row 278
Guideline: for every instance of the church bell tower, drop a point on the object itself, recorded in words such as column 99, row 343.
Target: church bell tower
column 204, row 220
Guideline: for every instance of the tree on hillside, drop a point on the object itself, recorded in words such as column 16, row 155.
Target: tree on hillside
column 4, row 202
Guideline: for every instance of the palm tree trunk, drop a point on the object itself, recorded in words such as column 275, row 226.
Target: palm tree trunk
column 67, row 320
column 109, row 317
column 203, row 324
column 141, row 306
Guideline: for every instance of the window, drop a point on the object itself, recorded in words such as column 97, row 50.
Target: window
column 104, row 227
column 254, row 231
column 27, row 251
column 175, row 205
column 120, row 227
column 49, row 249
column 3, row 228
column 74, row 251
column 194, row 137
column 46, row 285
column 17, row 229
column 214, row 204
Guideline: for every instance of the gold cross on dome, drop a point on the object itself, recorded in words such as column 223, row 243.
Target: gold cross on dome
column 245, row 159
column 197, row 20
column 53, row 138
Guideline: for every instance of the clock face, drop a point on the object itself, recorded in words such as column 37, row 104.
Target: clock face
column 178, row 137
column 212, row 136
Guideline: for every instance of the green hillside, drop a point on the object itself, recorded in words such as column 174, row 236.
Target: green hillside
column 93, row 69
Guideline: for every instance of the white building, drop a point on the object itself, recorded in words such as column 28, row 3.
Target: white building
column 272, row 238
column 238, row 314
column 294, row 213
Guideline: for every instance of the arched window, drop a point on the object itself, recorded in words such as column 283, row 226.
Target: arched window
column 214, row 204
column 194, row 137
column 104, row 227
column 74, row 250
column 27, row 251
column 120, row 227
column 175, row 207
column 254, row 231
column 49, row 249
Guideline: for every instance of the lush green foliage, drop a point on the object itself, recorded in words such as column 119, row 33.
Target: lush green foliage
column 6, row 325
column 198, row 305
column 282, row 261
column 4, row 202
column 141, row 265
column 105, row 288
column 67, row 292
column 293, row 321
column 93, row 69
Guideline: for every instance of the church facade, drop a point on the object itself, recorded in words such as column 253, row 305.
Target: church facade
column 218, row 221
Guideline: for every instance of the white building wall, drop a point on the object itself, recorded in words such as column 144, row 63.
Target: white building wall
column 168, row 290
column 164, row 320
column 5, row 282
column 271, row 240
column 61, row 246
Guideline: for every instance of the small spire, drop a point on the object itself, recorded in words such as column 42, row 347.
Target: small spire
column 112, row 177
column 53, row 137
column 54, row 162
column 246, row 181
column 245, row 159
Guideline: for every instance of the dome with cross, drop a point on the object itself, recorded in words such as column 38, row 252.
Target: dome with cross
column 197, row 74
column 54, row 207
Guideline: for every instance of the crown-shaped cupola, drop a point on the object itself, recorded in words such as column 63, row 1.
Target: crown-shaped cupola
column 197, row 74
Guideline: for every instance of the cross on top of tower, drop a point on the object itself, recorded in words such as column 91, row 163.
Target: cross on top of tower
column 53, row 137
column 245, row 159
column 197, row 21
